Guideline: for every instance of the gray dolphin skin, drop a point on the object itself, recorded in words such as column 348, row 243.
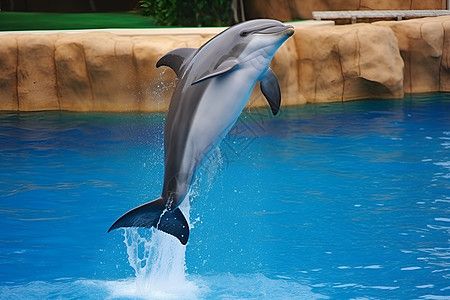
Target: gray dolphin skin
column 214, row 85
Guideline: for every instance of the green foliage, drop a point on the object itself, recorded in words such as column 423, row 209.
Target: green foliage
column 188, row 13
column 49, row 21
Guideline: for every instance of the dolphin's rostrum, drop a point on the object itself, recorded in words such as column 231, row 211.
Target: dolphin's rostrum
column 214, row 85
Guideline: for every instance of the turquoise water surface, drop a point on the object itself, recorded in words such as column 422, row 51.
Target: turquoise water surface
column 337, row 201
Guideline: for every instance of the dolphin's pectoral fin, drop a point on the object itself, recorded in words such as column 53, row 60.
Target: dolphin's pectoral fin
column 175, row 59
column 271, row 90
column 153, row 214
column 224, row 67
column 174, row 223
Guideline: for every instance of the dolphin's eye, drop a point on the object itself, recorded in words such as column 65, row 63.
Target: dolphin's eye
column 244, row 33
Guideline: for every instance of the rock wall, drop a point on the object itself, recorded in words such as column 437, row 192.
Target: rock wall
column 87, row 72
column 425, row 48
column 348, row 62
column 287, row 10
column 101, row 71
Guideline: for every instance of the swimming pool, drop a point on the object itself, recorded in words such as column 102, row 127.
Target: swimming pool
column 344, row 200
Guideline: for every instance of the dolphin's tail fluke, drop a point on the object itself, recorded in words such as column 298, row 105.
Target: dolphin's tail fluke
column 154, row 214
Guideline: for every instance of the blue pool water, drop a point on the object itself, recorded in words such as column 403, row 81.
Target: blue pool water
column 336, row 201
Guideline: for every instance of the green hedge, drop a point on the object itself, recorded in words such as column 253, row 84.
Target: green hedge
column 49, row 21
column 188, row 13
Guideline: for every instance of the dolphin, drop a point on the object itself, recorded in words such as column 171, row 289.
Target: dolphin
column 213, row 87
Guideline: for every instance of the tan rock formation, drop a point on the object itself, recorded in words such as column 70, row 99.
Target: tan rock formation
column 8, row 74
column 425, row 48
column 89, row 72
column 348, row 62
column 36, row 73
column 74, row 84
column 286, row 10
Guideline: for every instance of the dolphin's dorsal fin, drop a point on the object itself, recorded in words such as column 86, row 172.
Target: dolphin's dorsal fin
column 224, row 67
column 271, row 90
column 175, row 59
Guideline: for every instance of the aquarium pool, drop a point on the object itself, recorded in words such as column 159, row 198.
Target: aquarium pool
column 338, row 201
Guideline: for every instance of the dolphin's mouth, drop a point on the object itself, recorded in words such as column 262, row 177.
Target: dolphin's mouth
column 287, row 29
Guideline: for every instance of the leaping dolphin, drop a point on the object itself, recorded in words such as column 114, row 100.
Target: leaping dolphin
column 215, row 83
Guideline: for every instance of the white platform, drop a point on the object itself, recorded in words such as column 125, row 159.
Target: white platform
column 378, row 14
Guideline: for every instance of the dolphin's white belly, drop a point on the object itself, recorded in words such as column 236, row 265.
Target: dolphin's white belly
column 220, row 106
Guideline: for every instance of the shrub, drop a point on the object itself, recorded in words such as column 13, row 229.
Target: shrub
column 188, row 13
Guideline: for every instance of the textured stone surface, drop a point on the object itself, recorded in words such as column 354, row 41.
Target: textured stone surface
column 349, row 62
column 36, row 73
column 425, row 48
column 8, row 74
column 302, row 9
column 74, row 84
column 87, row 72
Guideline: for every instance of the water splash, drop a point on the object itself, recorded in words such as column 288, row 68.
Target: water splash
column 221, row 286
column 164, row 86
column 209, row 170
column 158, row 261
column 157, row 258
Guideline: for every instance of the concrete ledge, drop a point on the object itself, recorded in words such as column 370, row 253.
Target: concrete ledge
column 369, row 16
column 378, row 14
